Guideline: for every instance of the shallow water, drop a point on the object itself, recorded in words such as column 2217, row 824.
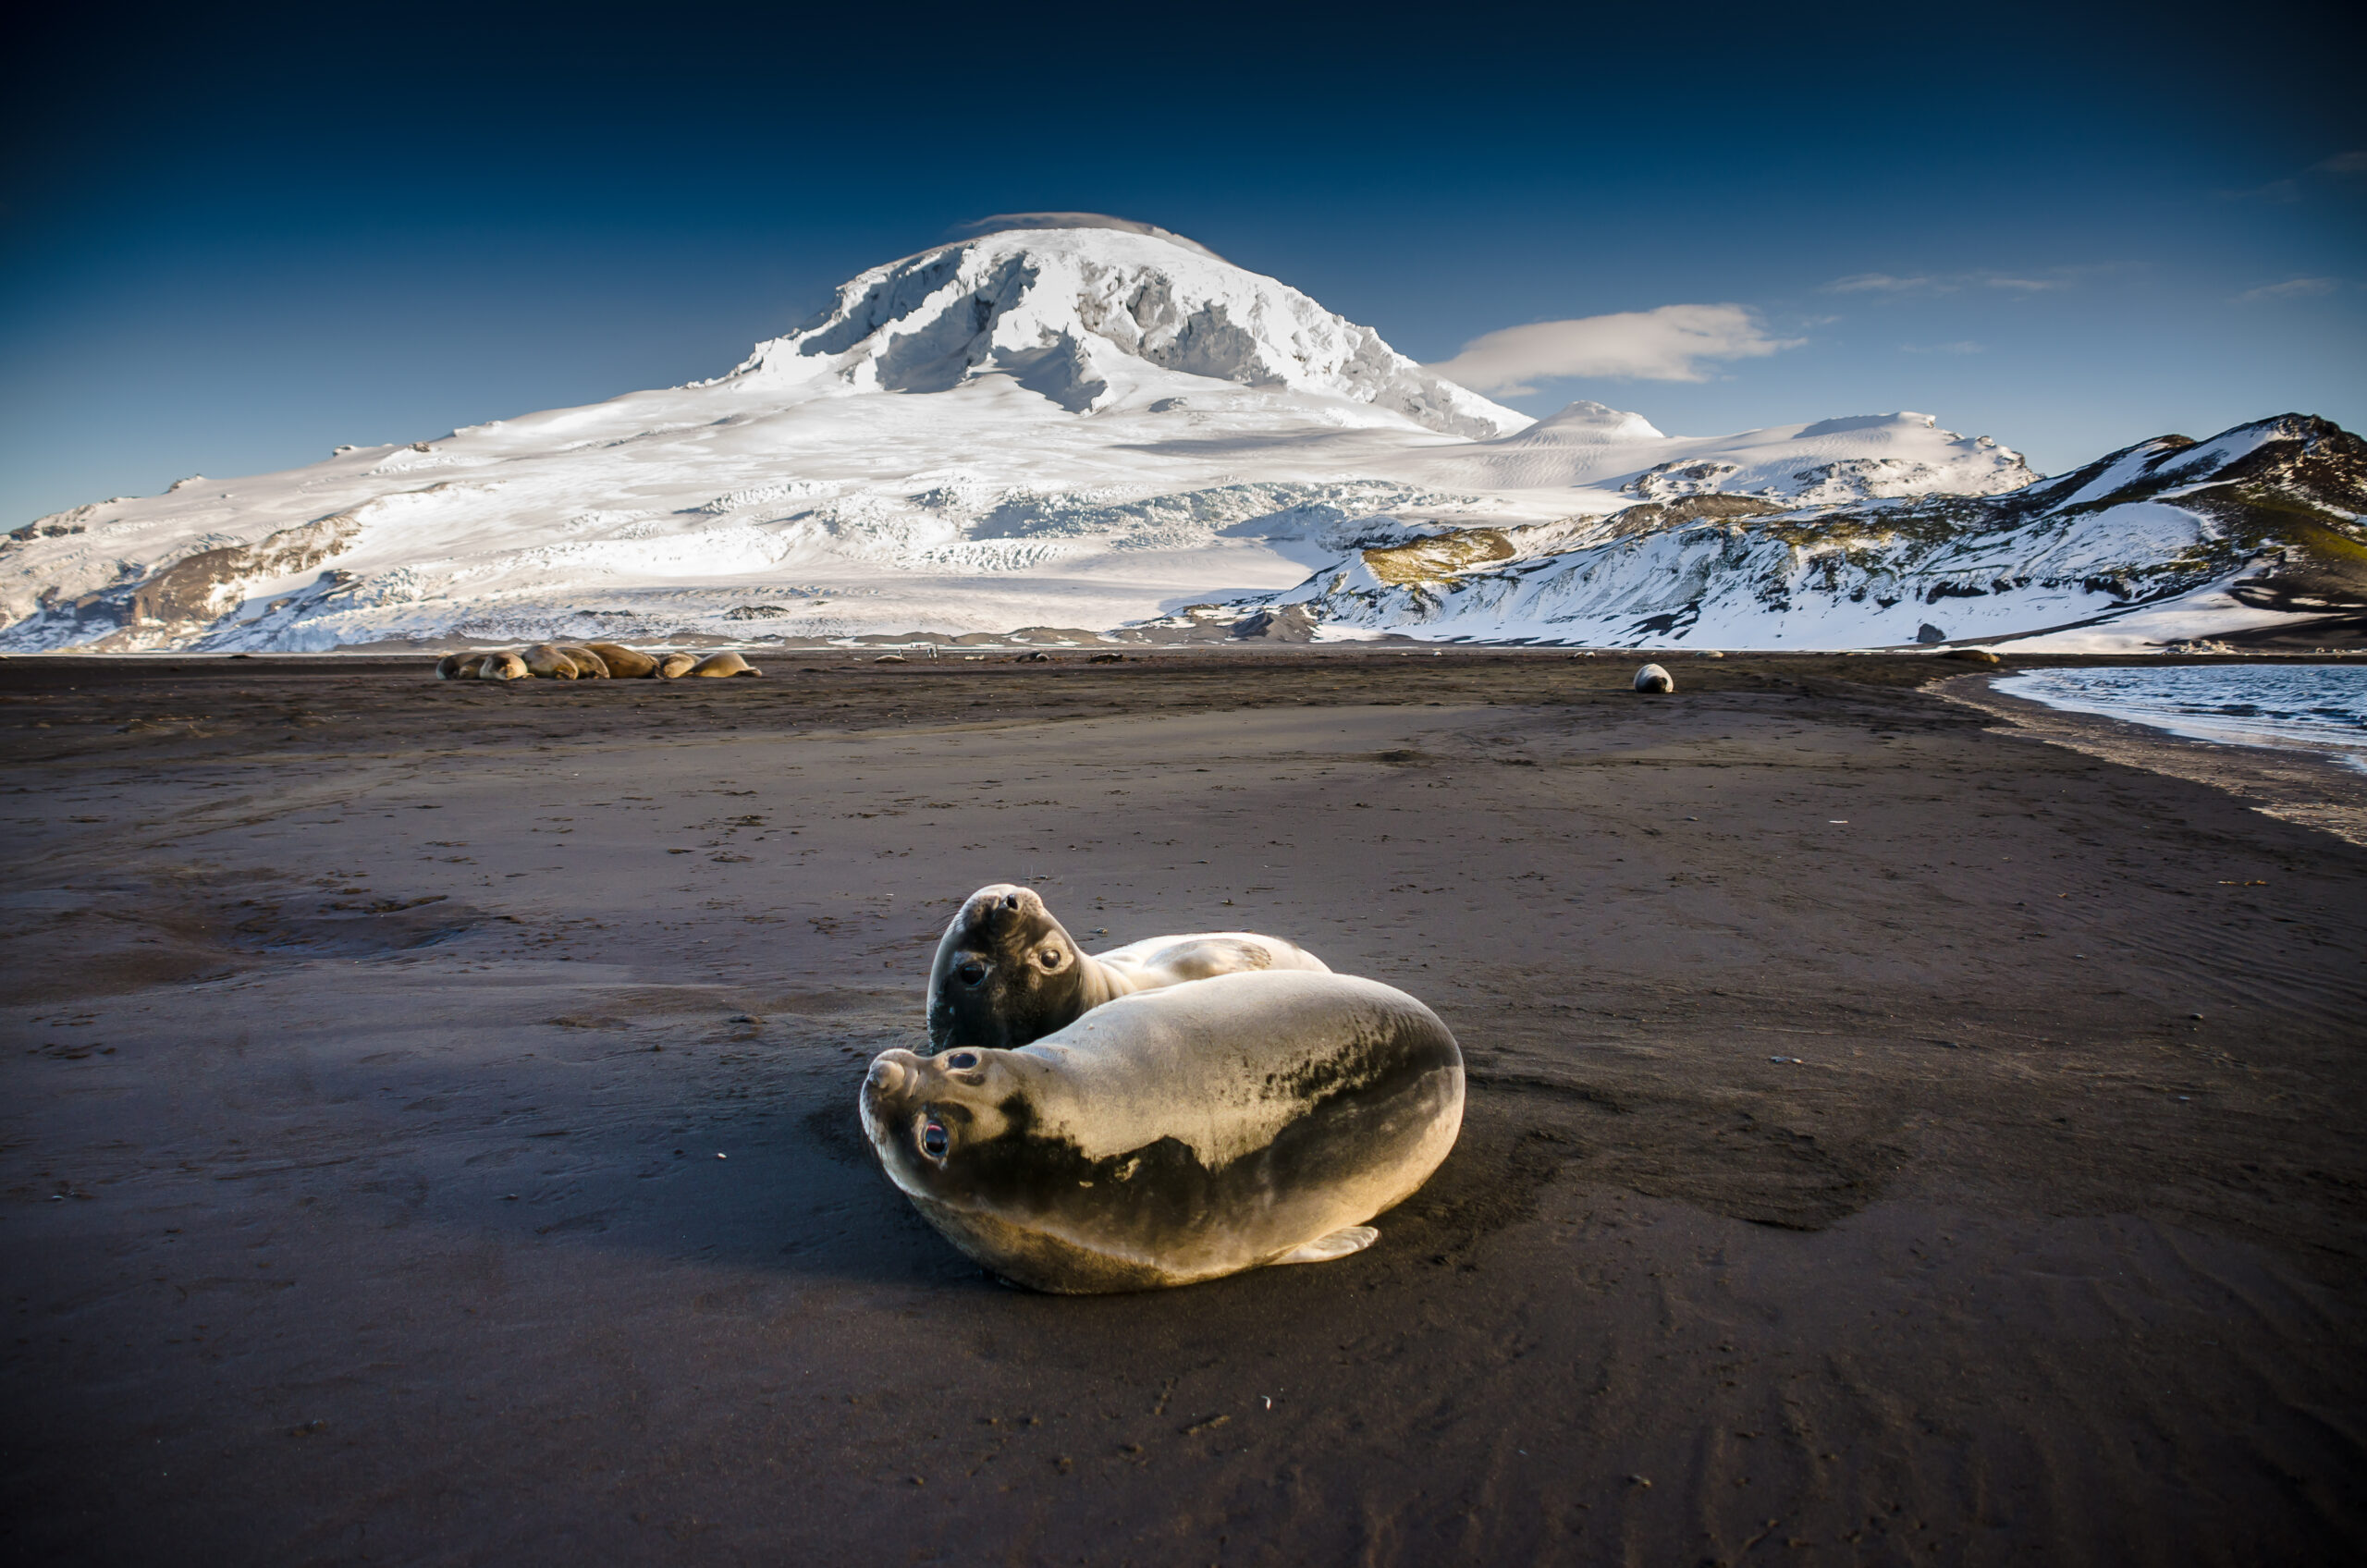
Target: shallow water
column 2319, row 707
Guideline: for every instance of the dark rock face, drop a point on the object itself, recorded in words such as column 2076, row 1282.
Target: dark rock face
column 1928, row 634
column 190, row 595
column 1290, row 623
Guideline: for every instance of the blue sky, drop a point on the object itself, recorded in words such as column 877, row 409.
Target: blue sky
column 230, row 241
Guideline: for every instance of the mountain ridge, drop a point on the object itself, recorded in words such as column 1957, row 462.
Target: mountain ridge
column 1103, row 426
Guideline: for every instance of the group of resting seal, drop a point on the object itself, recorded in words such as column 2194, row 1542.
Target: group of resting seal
column 585, row 661
column 1169, row 1111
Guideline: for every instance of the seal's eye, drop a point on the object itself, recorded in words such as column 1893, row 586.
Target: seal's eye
column 972, row 973
column 962, row 1060
column 934, row 1141
column 1050, row 958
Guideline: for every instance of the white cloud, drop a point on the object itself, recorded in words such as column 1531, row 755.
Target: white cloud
column 2292, row 288
column 1884, row 283
column 1964, row 348
column 1950, row 282
column 1672, row 343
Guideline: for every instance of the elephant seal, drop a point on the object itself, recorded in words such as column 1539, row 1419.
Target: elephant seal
column 546, row 661
column 625, row 663
column 723, row 663
column 459, row 667
column 1175, row 1135
column 1006, row 972
column 504, row 665
column 1652, row 678
column 673, row 666
column 589, row 666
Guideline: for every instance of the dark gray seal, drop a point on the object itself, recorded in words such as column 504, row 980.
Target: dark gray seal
column 1177, row 1134
column 1007, row 973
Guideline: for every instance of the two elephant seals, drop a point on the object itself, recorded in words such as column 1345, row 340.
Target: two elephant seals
column 1175, row 1135
column 1652, row 678
column 1007, row 973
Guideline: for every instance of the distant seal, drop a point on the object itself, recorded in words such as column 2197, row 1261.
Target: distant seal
column 723, row 663
column 546, row 661
column 625, row 663
column 1178, row 1135
column 1652, row 678
column 502, row 665
column 1007, row 973
column 673, row 666
column 588, row 664
column 459, row 667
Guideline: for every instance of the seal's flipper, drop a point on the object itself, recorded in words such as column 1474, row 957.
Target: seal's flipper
column 1339, row 1243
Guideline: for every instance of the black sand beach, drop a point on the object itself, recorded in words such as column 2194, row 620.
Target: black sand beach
column 429, row 1134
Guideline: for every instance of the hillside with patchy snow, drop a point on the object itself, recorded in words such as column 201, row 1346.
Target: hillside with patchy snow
column 2170, row 539
column 1104, row 426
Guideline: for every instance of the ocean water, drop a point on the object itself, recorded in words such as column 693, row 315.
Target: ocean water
column 2319, row 707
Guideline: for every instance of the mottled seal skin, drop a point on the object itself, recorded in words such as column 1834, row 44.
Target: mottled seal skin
column 1007, row 973
column 1178, row 1135
column 1653, row 678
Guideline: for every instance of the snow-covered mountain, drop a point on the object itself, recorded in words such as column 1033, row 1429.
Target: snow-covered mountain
column 1093, row 425
column 2169, row 539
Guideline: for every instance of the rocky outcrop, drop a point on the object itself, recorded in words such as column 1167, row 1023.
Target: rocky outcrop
column 183, row 601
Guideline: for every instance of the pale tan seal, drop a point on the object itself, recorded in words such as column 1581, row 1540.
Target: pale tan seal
column 723, row 663
column 625, row 664
column 589, row 666
column 504, row 665
column 459, row 667
column 1175, row 1135
column 673, row 666
column 548, row 662
column 1653, row 678
column 1007, row 973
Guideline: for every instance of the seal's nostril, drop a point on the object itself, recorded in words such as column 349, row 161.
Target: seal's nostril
column 887, row 1077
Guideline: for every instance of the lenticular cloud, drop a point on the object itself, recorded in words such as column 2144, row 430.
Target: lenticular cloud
column 1672, row 343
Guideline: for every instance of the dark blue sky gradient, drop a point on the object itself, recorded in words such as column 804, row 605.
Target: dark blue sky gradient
column 230, row 242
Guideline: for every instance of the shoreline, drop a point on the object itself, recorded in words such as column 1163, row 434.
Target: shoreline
column 2293, row 783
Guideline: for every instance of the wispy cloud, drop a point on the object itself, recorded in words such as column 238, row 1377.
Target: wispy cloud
column 2276, row 192
column 2280, row 192
column 1672, row 343
column 1952, row 282
column 2291, row 289
column 1966, row 348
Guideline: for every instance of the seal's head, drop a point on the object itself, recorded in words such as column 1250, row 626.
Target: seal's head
column 931, row 1117
column 1006, row 973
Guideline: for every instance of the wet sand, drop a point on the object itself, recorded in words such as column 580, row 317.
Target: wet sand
column 428, row 1135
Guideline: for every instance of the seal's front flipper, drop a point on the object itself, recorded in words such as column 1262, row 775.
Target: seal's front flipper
column 1339, row 1243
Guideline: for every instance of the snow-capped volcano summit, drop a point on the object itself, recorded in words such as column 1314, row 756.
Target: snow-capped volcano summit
column 1073, row 421
column 1089, row 317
